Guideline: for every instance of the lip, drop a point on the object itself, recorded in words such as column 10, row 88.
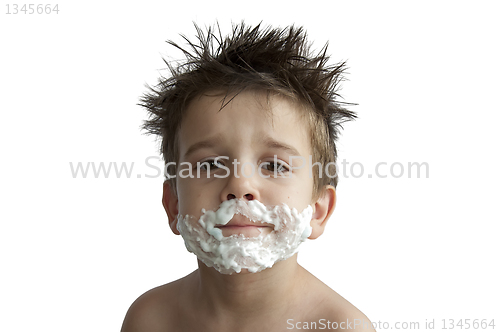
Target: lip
column 243, row 226
column 239, row 221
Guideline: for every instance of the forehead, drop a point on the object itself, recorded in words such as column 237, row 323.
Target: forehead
column 250, row 116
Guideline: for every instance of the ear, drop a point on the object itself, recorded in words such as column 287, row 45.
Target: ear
column 323, row 209
column 170, row 203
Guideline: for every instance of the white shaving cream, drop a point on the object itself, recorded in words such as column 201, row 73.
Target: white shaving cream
column 229, row 254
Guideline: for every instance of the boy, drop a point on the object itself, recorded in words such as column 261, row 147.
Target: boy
column 248, row 127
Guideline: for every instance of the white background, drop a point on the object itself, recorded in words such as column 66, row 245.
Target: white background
column 76, row 252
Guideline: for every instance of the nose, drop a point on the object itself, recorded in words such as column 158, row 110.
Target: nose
column 239, row 187
column 248, row 197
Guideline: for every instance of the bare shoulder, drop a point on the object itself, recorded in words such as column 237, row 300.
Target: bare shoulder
column 155, row 310
column 329, row 310
column 343, row 315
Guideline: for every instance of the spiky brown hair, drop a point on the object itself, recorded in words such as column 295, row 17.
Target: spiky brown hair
column 259, row 58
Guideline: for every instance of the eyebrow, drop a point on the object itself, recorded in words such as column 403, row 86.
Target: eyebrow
column 216, row 140
column 205, row 144
column 273, row 144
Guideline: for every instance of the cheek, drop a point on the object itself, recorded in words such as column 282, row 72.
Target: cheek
column 297, row 195
column 188, row 197
column 301, row 195
column 193, row 197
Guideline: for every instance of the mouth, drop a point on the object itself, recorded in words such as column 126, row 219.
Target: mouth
column 242, row 225
column 242, row 221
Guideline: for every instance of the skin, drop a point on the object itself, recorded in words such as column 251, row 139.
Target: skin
column 251, row 130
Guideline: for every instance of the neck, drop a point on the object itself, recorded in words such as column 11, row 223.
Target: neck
column 246, row 295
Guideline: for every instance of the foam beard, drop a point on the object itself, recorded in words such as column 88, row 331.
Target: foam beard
column 229, row 254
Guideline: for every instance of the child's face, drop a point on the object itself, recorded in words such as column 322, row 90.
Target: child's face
column 252, row 132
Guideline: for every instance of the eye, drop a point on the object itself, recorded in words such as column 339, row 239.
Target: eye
column 208, row 165
column 275, row 166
